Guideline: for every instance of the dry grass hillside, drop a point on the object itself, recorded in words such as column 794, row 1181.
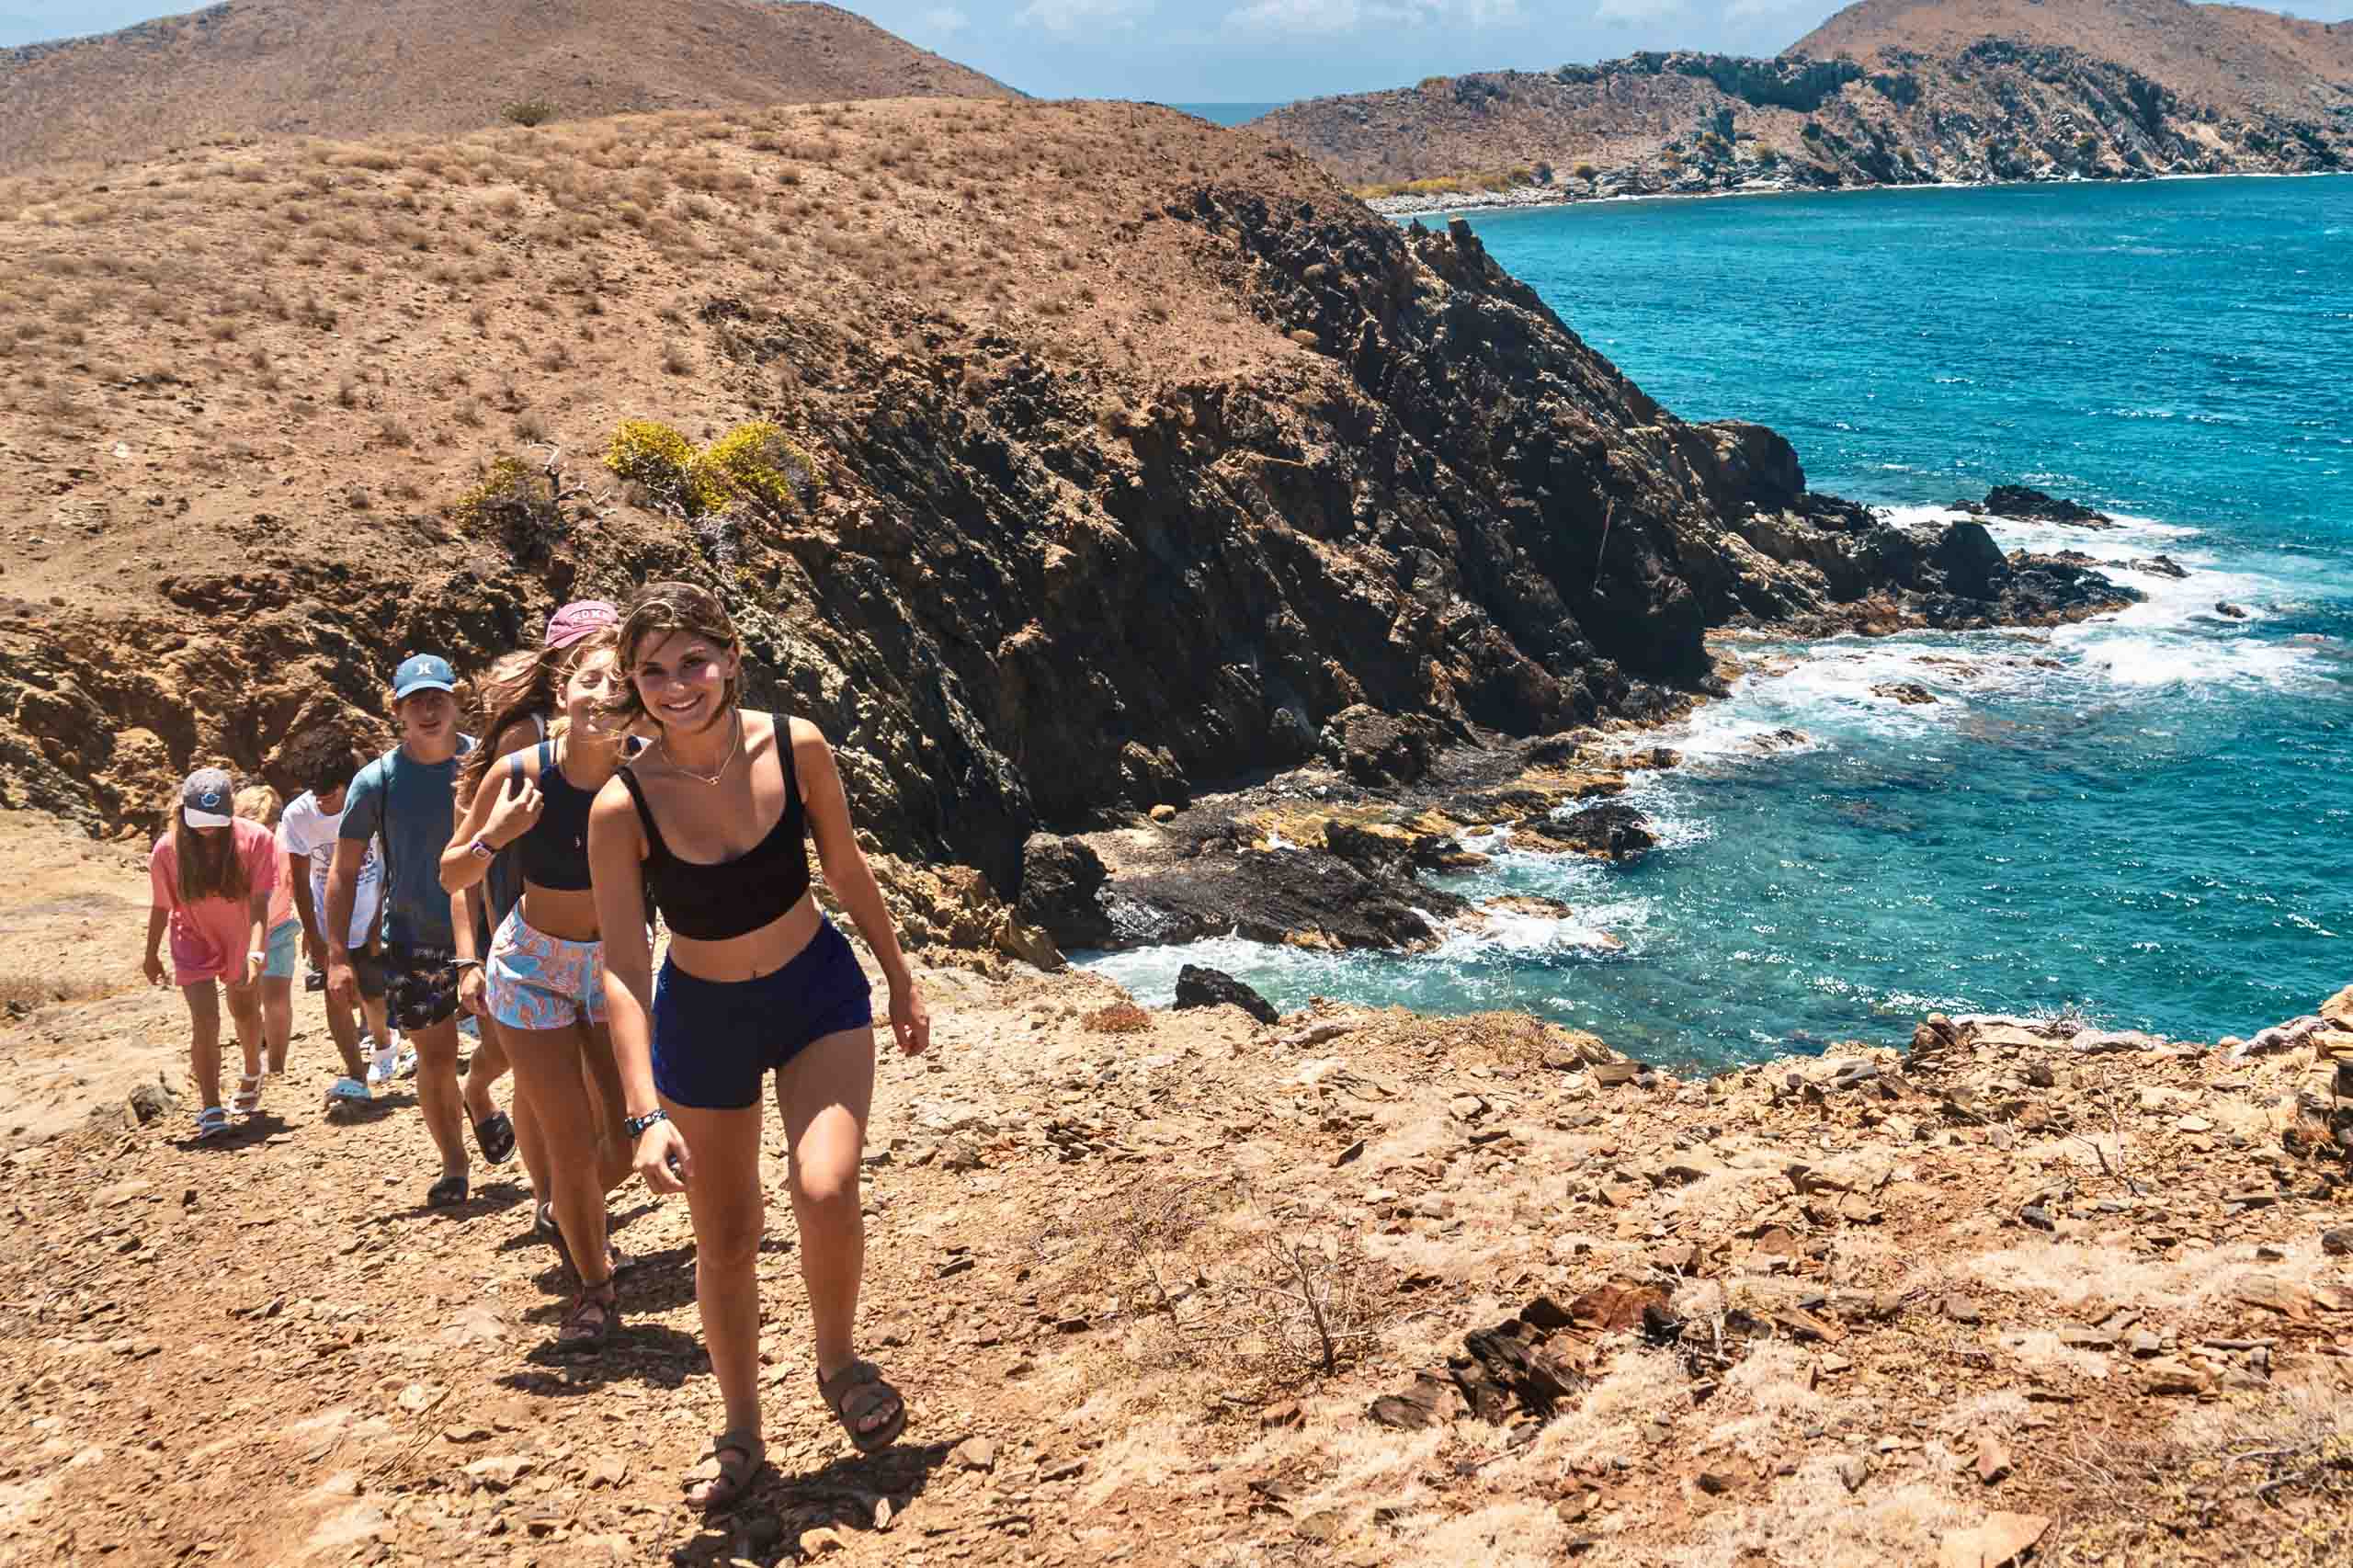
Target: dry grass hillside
column 2233, row 57
column 336, row 68
column 1135, row 451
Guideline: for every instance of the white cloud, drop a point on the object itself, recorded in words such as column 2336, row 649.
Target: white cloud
column 1073, row 16
column 1347, row 15
column 942, row 21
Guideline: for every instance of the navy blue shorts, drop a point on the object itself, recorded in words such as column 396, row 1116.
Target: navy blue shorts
column 714, row 1040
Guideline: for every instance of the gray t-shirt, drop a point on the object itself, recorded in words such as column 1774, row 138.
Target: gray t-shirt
column 411, row 807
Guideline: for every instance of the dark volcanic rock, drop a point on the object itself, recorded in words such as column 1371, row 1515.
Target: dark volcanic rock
column 1905, row 691
column 1200, row 987
column 2236, row 612
column 1062, row 891
column 1286, row 895
column 1375, row 748
column 1608, row 831
column 2022, row 501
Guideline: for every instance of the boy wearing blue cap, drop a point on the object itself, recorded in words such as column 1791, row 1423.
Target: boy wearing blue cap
column 407, row 798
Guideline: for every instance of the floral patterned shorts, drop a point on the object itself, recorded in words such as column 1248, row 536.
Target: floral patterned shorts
column 538, row 982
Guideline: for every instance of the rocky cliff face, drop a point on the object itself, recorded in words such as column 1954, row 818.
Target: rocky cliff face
column 1039, row 590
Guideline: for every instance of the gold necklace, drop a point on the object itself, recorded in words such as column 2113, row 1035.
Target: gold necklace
column 725, row 763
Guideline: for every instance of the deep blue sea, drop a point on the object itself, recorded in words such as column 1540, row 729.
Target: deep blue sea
column 2156, row 832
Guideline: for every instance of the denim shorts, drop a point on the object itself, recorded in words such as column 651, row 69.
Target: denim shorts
column 538, row 982
column 714, row 1040
column 285, row 942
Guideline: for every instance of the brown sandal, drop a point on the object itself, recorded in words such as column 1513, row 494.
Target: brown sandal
column 596, row 1313
column 734, row 1480
column 837, row 1392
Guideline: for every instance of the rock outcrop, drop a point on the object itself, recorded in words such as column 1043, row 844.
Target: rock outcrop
column 1885, row 94
column 1035, row 590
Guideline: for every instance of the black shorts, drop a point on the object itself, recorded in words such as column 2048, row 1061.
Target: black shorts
column 420, row 985
column 368, row 969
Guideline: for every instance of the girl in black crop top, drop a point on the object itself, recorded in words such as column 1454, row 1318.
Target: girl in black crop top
column 543, row 978
column 713, row 818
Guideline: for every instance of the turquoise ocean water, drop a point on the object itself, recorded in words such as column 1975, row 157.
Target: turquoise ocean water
column 2155, row 832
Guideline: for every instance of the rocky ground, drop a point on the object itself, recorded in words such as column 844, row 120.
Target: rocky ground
column 1355, row 1287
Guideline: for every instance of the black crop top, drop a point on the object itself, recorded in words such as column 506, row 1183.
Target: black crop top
column 554, row 854
column 713, row 902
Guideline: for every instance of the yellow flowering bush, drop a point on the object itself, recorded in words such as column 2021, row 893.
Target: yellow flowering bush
column 650, row 454
column 760, row 465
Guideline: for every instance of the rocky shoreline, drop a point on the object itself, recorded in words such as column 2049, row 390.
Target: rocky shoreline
column 1335, row 855
column 1630, row 184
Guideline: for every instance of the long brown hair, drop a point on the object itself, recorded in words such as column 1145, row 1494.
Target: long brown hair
column 207, row 865
column 663, row 610
column 518, row 687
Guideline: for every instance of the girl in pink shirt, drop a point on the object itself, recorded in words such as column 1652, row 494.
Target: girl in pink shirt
column 213, row 875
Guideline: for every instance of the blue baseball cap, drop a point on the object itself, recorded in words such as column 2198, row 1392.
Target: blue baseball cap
column 423, row 672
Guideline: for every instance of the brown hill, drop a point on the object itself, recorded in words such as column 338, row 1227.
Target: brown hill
column 1888, row 92
column 353, row 68
column 1143, row 452
column 2229, row 56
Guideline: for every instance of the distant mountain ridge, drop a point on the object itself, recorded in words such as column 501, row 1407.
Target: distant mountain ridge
column 355, row 68
column 1885, row 92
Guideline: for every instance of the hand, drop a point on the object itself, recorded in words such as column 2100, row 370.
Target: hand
column 153, row 968
column 517, row 807
column 662, row 1158
column 342, row 985
column 910, row 1019
column 470, row 986
column 314, row 952
column 254, row 962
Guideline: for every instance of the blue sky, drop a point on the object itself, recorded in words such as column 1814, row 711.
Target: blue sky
column 1237, row 50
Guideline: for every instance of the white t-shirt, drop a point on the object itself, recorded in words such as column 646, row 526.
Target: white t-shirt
column 308, row 831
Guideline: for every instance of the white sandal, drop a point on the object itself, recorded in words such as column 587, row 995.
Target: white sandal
column 246, row 1101
column 211, row 1122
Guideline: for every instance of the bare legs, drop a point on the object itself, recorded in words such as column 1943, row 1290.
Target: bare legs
column 204, row 1018
column 438, row 1093
column 576, row 1142
column 825, row 1094
column 277, row 1019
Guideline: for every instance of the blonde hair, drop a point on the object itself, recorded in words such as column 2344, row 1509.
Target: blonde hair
column 259, row 802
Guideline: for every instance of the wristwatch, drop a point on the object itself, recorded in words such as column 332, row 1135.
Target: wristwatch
column 481, row 848
column 638, row 1124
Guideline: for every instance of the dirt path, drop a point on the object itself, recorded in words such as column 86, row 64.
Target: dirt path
column 2091, row 1270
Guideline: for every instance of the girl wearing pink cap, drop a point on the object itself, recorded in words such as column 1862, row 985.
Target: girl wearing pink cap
column 212, row 874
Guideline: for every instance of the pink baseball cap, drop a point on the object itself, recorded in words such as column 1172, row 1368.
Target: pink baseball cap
column 577, row 619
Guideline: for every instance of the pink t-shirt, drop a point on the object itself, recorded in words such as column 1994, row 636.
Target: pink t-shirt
column 281, row 897
column 208, row 939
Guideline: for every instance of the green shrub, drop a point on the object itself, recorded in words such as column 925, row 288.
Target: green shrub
column 527, row 112
column 760, row 466
column 657, row 459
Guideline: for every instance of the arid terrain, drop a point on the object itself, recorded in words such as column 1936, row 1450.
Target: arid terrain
column 1164, row 531
column 2003, row 1286
column 1887, row 92
column 230, row 74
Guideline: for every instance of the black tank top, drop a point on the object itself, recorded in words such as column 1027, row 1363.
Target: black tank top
column 732, row 898
column 554, row 854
